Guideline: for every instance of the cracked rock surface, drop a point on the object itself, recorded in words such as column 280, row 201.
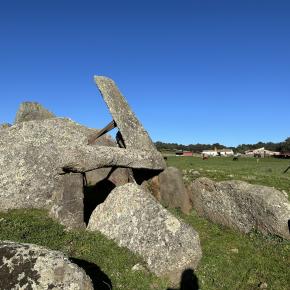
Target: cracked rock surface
column 242, row 206
column 27, row 266
column 134, row 219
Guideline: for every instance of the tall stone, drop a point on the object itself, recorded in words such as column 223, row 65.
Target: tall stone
column 169, row 189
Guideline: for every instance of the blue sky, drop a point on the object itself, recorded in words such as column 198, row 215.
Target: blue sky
column 194, row 71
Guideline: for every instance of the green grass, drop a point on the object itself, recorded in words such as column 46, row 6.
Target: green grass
column 231, row 260
column 268, row 171
column 34, row 226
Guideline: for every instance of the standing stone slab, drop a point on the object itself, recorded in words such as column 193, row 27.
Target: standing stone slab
column 68, row 205
column 133, row 133
column 169, row 189
column 242, row 206
column 29, row 111
column 133, row 218
column 27, row 266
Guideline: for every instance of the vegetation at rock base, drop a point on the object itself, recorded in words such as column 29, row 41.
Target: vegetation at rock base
column 34, row 226
column 231, row 260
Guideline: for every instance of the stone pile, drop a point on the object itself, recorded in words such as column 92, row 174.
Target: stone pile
column 50, row 162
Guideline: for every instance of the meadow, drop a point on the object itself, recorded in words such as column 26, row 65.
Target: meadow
column 265, row 171
column 231, row 260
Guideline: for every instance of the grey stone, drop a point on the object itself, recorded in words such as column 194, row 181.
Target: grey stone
column 170, row 190
column 135, row 220
column 68, row 205
column 32, row 111
column 134, row 135
column 242, row 206
column 119, row 176
column 35, row 154
column 27, row 266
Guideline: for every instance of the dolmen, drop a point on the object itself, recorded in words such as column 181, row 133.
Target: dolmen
column 47, row 162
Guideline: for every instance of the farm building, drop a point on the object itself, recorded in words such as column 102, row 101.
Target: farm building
column 183, row 153
column 209, row 153
column 261, row 152
column 225, row 152
column 218, row 152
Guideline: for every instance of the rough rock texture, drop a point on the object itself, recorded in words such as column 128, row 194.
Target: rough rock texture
column 68, row 205
column 134, row 219
column 133, row 133
column 169, row 189
column 27, row 266
column 32, row 111
column 119, row 176
column 33, row 154
column 242, row 206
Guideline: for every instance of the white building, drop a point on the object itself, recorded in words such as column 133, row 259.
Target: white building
column 225, row 152
column 209, row 153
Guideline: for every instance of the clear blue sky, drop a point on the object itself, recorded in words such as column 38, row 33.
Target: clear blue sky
column 194, row 71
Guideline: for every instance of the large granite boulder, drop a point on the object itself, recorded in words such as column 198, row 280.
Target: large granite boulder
column 35, row 156
column 242, row 206
column 32, row 111
column 27, row 266
column 169, row 189
column 134, row 219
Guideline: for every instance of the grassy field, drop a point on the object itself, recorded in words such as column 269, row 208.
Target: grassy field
column 265, row 171
column 230, row 260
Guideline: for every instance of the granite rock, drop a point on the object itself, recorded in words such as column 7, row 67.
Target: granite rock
column 29, row 111
column 135, row 220
column 27, row 266
column 242, row 206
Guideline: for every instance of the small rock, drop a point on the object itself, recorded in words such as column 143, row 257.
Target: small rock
column 263, row 285
column 234, row 250
column 138, row 267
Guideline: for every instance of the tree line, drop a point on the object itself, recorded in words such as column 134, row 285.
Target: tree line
column 283, row 146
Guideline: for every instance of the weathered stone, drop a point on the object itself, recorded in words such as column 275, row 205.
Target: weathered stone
column 134, row 219
column 68, row 205
column 33, row 154
column 32, row 111
column 27, row 266
column 119, row 176
column 170, row 190
column 242, row 206
column 133, row 133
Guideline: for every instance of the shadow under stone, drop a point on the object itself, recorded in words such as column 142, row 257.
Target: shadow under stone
column 100, row 280
column 95, row 195
column 188, row 281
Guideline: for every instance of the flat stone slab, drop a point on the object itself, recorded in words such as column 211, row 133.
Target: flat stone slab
column 134, row 135
column 135, row 220
column 27, row 266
